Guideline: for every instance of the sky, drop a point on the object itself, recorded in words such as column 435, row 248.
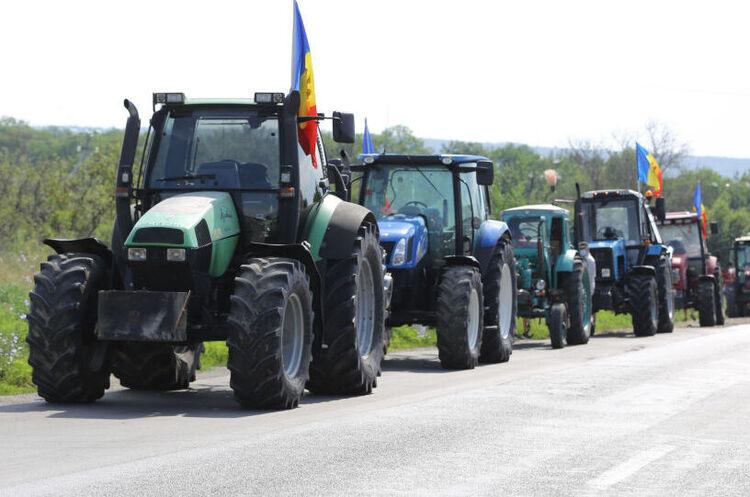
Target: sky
column 537, row 72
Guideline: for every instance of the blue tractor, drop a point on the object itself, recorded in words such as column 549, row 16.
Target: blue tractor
column 452, row 267
column 633, row 265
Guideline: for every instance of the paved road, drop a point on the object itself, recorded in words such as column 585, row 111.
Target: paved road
column 666, row 415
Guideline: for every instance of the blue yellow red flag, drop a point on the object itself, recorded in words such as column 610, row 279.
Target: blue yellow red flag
column 649, row 171
column 367, row 145
column 303, row 82
column 700, row 209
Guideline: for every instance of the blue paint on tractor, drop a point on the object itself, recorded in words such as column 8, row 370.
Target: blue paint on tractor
column 412, row 230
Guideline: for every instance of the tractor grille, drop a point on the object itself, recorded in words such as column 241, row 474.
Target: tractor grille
column 159, row 235
column 605, row 268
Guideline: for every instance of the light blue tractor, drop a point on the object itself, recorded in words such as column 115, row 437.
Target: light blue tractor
column 452, row 266
column 553, row 275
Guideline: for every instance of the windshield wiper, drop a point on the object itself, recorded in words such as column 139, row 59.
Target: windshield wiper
column 188, row 176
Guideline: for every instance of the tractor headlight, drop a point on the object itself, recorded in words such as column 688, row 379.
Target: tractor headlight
column 176, row 255
column 399, row 253
column 137, row 254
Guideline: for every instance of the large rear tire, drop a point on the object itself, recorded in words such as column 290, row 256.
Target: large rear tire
column 500, row 296
column 270, row 340
column 156, row 366
column 579, row 304
column 460, row 317
column 706, row 303
column 644, row 303
column 354, row 327
column 68, row 365
column 666, row 297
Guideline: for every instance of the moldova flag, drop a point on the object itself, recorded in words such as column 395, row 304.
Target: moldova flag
column 302, row 81
column 700, row 209
column 367, row 146
column 649, row 171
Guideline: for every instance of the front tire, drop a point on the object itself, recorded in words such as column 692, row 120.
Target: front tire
column 579, row 305
column 354, row 313
column 719, row 300
column 643, row 296
column 666, row 297
column 557, row 324
column 500, row 305
column 68, row 365
column 156, row 366
column 270, row 340
column 706, row 303
column 460, row 317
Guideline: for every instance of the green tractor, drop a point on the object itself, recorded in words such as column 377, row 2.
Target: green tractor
column 554, row 279
column 229, row 232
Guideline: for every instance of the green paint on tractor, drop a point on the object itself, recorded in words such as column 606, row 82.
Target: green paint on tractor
column 318, row 222
column 184, row 213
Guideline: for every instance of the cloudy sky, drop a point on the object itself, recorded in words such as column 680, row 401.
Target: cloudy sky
column 536, row 72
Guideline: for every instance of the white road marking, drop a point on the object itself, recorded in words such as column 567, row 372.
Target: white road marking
column 626, row 469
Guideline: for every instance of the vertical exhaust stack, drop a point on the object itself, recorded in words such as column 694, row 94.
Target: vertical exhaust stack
column 124, row 180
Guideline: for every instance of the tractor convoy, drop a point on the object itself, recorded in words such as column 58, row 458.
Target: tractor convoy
column 228, row 230
column 232, row 225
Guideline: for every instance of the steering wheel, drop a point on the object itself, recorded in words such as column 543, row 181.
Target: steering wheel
column 416, row 202
column 609, row 233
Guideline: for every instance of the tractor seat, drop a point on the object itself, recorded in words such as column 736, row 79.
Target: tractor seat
column 410, row 211
column 225, row 173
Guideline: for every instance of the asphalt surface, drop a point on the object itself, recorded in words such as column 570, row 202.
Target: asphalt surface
column 664, row 415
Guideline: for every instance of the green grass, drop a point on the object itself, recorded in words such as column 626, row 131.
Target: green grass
column 15, row 373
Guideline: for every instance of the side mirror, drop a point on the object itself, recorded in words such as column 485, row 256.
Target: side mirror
column 660, row 209
column 343, row 127
column 714, row 226
column 485, row 173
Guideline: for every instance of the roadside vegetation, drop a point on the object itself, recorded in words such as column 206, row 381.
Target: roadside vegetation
column 59, row 182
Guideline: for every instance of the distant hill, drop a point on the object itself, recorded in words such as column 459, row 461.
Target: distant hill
column 726, row 166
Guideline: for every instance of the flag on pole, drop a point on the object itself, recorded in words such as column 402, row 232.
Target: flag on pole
column 700, row 209
column 302, row 81
column 649, row 171
column 367, row 146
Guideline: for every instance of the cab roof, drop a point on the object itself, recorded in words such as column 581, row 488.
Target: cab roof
column 538, row 207
column 420, row 159
column 219, row 101
column 622, row 192
column 743, row 239
column 681, row 216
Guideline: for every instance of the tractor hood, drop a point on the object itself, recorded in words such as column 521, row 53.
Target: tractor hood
column 204, row 224
column 393, row 229
column 413, row 232
column 189, row 220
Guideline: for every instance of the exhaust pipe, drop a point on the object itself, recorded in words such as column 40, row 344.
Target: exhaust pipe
column 124, row 181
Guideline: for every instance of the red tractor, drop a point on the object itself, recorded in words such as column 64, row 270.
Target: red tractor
column 696, row 273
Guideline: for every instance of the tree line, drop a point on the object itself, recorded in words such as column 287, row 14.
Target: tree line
column 59, row 181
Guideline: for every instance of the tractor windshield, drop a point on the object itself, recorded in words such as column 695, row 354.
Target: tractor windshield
column 524, row 230
column 683, row 238
column 605, row 219
column 217, row 150
column 743, row 256
column 412, row 191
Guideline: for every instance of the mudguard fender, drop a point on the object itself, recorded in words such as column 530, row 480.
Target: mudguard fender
column 343, row 230
column 643, row 270
column 83, row 245
column 565, row 261
column 486, row 240
column 461, row 260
